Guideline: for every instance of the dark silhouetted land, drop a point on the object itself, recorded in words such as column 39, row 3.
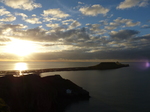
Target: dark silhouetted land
column 31, row 93
column 101, row 66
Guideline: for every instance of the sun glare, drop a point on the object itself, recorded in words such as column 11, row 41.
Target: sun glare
column 21, row 66
column 20, row 47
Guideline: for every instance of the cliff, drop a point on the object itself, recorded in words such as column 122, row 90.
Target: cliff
column 31, row 93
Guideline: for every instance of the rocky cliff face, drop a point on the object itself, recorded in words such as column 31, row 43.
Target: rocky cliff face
column 31, row 93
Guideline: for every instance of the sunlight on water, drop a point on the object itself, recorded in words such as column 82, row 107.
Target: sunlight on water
column 21, row 66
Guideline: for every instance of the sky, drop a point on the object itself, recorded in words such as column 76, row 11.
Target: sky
column 75, row 30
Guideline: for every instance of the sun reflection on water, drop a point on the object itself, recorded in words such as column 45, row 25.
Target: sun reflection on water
column 21, row 66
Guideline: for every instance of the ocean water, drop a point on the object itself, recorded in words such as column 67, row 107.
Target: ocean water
column 120, row 90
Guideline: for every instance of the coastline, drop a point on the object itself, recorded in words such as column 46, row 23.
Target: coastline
column 34, row 93
column 100, row 66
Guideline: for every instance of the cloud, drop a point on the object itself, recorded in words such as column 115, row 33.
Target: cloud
column 79, row 43
column 71, row 23
column 80, row 3
column 56, row 13
column 111, row 27
column 94, row 10
column 74, row 24
column 33, row 15
column 3, row 11
column 131, row 24
column 95, row 29
column 22, row 15
column 4, row 40
column 145, row 26
column 57, row 34
column 132, row 3
column 123, row 34
column 8, row 19
column 119, row 22
column 8, row 30
column 22, row 4
column 80, row 54
column 18, row 26
column 33, row 20
column 52, row 25
column 50, row 19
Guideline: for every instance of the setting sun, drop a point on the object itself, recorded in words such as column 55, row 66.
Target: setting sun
column 20, row 47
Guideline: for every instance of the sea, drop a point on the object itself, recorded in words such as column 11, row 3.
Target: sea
column 125, row 89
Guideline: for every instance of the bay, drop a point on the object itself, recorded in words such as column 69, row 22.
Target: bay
column 120, row 90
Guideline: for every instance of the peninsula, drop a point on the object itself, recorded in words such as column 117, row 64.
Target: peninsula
column 100, row 66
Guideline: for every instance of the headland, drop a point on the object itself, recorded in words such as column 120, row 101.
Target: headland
column 32, row 93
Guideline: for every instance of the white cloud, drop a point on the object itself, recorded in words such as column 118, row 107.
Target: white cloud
column 33, row 20
column 21, row 14
column 3, row 11
column 121, row 22
column 8, row 19
column 71, row 23
column 74, row 24
column 132, row 3
column 52, row 25
column 94, row 10
column 110, row 27
column 49, row 19
column 131, row 24
column 21, row 4
column 144, row 3
column 127, row 22
column 66, row 21
column 80, row 3
column 145, row 26
column 57, row 13
column 34, row 15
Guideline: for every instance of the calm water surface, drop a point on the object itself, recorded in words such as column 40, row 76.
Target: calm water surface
column 120, row 90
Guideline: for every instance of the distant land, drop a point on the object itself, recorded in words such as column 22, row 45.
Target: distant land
column 100, row 66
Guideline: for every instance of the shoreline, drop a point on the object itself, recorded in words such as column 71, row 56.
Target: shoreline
column 100, row 66
column 36, row 94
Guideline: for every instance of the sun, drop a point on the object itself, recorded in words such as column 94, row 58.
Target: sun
column 20, row 47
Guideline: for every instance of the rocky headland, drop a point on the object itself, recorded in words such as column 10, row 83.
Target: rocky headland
column 32, row 93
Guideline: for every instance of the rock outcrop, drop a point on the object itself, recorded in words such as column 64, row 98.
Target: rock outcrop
column 31, row 93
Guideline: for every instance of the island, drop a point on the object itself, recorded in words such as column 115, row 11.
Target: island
column 32, row 93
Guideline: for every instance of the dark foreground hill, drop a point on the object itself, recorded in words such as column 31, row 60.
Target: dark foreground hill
column 31, row 93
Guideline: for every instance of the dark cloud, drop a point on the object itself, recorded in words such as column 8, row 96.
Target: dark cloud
column 80, row 43
column 124, row 34
column 128, row 54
